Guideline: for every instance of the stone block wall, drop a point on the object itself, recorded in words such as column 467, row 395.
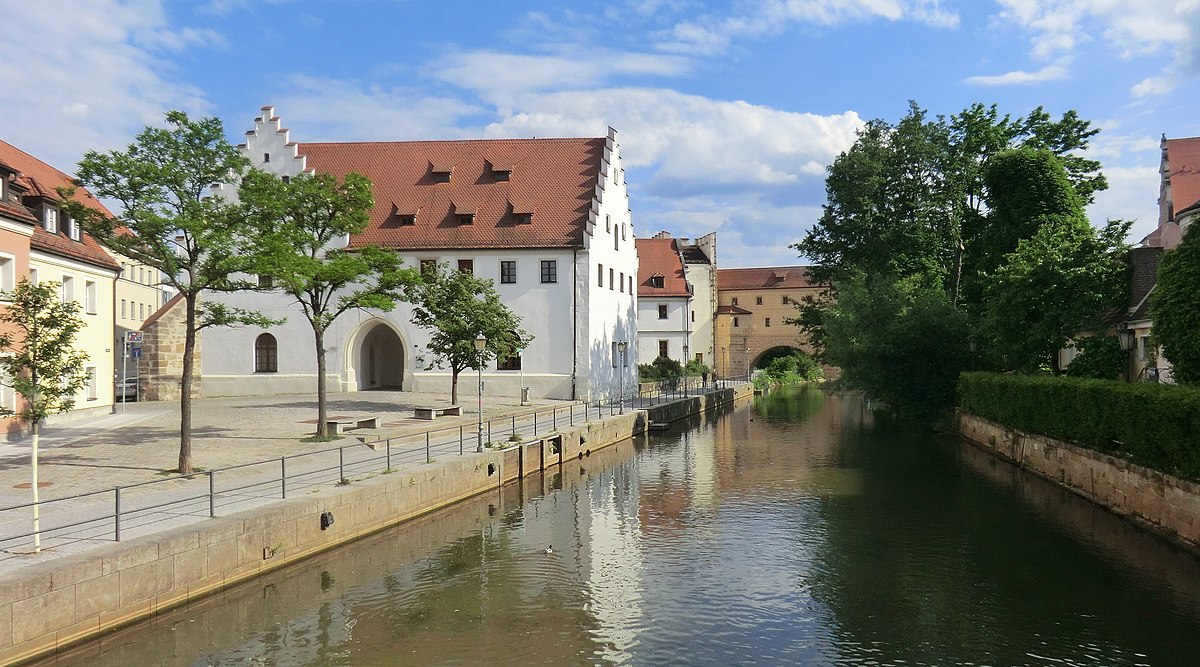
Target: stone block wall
column 1167, row 504
column 160, row 370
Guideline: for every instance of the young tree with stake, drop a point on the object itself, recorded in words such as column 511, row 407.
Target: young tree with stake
column 40, row 362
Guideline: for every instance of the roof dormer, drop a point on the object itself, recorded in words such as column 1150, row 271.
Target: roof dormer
column 440, row 172
column 50, row 218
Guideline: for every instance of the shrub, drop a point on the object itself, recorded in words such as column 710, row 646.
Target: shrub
column 694, row 368
column 1154, row 425
column 790, row 369
column 1100, row 357
column 662, row 368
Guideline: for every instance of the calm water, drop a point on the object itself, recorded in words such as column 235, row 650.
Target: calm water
column 797, row 530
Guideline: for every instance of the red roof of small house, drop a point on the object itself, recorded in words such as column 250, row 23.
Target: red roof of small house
column 660, row 257
column 770, row 277
column 42, row 180
column 494, row 180
column 1183, row 168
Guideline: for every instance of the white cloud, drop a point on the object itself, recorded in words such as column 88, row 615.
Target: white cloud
column 1054, row 72
column 90, row 82
column 715, row 32
column 1132, row 29
column 1132, row 194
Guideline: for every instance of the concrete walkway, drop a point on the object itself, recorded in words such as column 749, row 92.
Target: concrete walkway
column 140, row 443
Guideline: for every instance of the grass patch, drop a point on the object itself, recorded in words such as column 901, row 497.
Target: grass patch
column 322, row 438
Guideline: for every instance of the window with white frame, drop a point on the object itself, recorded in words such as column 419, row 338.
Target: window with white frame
column 33, row 275
column 67, row 291
column 8, row 272
column 72, row 227
column 50, row 219
column 124, row 312
column 89, row 297
column 8, row 395
column 90, row 384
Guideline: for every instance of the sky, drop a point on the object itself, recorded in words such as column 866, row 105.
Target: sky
column 728, row 113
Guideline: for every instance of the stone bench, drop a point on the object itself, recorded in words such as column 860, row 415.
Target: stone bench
column 339, row 425
column 433, row 411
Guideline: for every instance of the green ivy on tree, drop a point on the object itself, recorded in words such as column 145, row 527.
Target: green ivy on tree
column 1175, row 308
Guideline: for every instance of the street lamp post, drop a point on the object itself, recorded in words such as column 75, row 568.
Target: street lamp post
column 480, row 344
column 621, row 347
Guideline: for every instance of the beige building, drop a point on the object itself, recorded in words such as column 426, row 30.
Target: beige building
column 753, row 306
column 138, row 295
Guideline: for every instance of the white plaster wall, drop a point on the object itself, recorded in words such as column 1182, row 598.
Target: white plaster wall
column 611, row 313
column 673, row 329
column 702, row 277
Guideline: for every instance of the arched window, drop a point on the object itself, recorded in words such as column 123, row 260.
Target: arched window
column 266, row 354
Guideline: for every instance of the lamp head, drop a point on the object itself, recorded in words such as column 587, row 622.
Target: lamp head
column 480, row 343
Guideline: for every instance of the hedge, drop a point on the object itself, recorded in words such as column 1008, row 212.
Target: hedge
column 1153, row 425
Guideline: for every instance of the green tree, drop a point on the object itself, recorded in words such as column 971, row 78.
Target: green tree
column 455, row 307
column 899, row 340
column 294, row 224
column 170, row 221
column 1060, row 274
column 1100, row 358
column 41, row 362
column 1175, row 308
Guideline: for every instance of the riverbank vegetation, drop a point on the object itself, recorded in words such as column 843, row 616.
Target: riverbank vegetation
column 959, row 242
column 1153, row 425
column 794, row 368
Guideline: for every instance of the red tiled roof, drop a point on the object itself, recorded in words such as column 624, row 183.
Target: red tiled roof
column 166, row 307
column 554, row 179
column 1183, row 164
column 773, row 277
column 732, row 310
column 42, row 181
column 660, row 257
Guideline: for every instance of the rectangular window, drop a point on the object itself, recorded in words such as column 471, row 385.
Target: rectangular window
column 406, row 220
column 90, row 383
column 608, row 223
column 768, row 322
column 142, row 312
column 616, row 242
column 501, row 175
column 662, row 311
column 549, row 271
column 467, row 266
column 508, row 271
column 600, row 275
column 8, row 395
column 786, row 300
column 33, row 276
column 523, row 218
column 89, row 297
column 622, row 231
column 614, row 354
column 758, row 300
column 72, row 228
column 123, row 310
column 662, row 348
column 67, row 292
column 265, row 282
column 622, row 282
column 466, row 219
column 699, row 357
column 441, row 177
column 428, row 267
column 735, row 300
column 8, row 273
column 610, row 278
column 512, row 363
column 50, row 219
column 631, row 284
column 735, row 321
column 693, row 316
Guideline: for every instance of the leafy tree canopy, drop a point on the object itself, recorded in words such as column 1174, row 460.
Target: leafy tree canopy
column 42, row 363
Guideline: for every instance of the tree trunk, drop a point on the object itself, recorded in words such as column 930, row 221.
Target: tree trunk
column 453, row 386
column 322, row 407
column 185, row 398
column 33, row 460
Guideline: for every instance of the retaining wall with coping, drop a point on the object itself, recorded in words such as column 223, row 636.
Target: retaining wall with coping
column 49, row 606
column 1167, row 504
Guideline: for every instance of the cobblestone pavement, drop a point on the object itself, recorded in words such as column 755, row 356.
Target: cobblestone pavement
column 140, row 443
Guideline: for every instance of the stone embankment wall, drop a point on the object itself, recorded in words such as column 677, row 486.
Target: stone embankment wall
column 1167, row 504
column 49, row 606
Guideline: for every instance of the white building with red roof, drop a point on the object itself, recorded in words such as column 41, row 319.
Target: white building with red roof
column 547, row 220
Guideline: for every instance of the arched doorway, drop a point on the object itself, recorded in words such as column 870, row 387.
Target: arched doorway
column 379, row 362
column 773, row 353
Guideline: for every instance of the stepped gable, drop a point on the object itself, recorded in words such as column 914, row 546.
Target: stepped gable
column 660, row 257
column 520, row 193
column 42, row 180
column 772, row 277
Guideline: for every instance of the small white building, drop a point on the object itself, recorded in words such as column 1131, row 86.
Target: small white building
column 664, row 301
column 547, row 220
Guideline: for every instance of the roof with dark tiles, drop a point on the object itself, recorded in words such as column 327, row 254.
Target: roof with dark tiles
column 551, row 180
column 770, row 277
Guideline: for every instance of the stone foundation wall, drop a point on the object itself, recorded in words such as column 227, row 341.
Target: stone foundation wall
column 1167, row 504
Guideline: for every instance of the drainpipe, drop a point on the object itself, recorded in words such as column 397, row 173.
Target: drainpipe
column 574, row 319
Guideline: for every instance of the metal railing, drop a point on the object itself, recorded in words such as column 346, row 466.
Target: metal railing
column 137, row 509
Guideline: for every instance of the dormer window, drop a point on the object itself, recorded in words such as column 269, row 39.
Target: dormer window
column 406, row 220
column 71, row 226
column 441, row 176
column 657, row 281
column 501, row 174
column 523, row 218
column 465, row 218
column 50, row 219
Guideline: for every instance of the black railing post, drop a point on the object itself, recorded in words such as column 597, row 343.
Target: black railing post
column 428, row 456
column 212, row 495
column 460, row 440
column 283, row 477
column 341, row 464
column 387, row 449
column 117, row 513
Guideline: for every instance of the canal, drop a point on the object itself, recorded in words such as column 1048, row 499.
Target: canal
column 796, row 529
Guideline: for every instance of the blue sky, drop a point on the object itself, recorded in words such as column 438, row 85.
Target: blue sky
column 728, row 112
